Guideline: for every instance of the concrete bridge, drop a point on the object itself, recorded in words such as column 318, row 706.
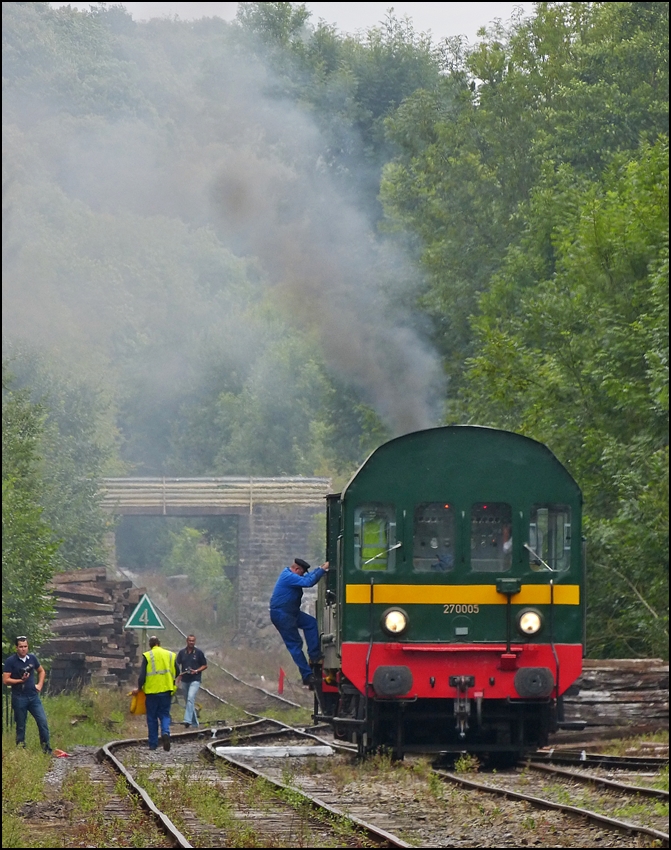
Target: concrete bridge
column 276, row 517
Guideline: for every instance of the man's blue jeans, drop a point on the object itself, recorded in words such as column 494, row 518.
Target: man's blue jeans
column 158, row 708
column 24, row 703
column 288, row 625
column 190, row 690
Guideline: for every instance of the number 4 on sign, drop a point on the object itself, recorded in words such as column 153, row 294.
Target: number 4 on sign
column 144, row 616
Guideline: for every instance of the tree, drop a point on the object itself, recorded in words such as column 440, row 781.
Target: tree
column 574, row 352
column 28, row 545
column 574, row 86
column 78, row 444
column 204, row 564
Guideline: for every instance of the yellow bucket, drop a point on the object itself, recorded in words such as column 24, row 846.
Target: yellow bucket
column 138, row 703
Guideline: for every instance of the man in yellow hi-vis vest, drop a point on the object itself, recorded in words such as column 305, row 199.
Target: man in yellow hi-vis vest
column 157, row 680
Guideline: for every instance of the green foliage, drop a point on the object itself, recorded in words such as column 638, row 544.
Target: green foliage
column 466, row 763
column 28, row 547
column 144, row 543
column 78, row 445
column 536, row 182
column 576, row 84
column 204, row 564
column 579, row 360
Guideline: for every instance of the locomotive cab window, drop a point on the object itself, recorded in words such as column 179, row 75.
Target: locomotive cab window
column 550, row 537
column 433, row 539
column 375, row 537
column 491, row 537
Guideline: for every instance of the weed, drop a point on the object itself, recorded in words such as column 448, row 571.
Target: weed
column 380, row 763
column 342, row 774
column 23, row 773
column 662, row 781
column 260, row 793
column 634, row 811
column 467, row 763
column 288, row 772
column 78, row 788
column 86, row 719
column 559, row 793
column 528, row 822
column 436, row 786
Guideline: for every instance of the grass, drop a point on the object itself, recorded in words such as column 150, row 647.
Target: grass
column 92, row 719
column 623, row 746
column 22, row 782
column 292, row 716
column 422, row 768
column 662, row 781
column 89, row 720
column 639, row 810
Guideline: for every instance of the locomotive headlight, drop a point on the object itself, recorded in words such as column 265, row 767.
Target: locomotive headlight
column 529, row 622
column 394, row 621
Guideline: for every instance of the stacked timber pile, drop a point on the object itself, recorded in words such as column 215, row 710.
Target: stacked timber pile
column 619, row 695
column 90, row 645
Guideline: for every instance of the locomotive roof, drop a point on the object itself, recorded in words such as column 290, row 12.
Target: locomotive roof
column 479, row 438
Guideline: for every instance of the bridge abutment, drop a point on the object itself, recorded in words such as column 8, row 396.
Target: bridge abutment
column 268, row 540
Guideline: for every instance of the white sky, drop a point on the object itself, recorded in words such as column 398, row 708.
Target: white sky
column 442, row 19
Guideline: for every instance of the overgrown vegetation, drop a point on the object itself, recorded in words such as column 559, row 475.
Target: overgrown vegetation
column 91, row 719
column 28, row 547
column 256, row 248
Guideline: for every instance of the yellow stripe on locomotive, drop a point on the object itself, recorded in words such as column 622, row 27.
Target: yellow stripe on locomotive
column 465, row 594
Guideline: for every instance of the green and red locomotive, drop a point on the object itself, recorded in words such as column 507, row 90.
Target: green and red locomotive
column 454, row 617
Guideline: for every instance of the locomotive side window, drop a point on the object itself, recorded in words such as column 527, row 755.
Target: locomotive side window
column 550, row 537
column 433, row 540
column 491, row 537
column 375, row 537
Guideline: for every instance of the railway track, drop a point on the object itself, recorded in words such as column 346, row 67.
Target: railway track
column 405, row 800
column 604, row 781
column 641, row 812
column 231, row 799
column 587, row 759
column 226, row 801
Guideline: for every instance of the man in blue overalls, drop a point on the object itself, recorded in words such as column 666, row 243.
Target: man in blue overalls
column 287, row 617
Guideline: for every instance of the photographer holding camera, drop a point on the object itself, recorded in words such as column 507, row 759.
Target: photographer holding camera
column 19, row 674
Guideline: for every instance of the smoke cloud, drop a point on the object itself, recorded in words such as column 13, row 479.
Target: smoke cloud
column 228, row 158
column 274, row 197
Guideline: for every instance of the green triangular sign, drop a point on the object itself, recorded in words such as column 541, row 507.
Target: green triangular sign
column 144, row 616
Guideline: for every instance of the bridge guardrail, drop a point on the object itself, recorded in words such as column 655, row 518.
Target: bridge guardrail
column 166, row 493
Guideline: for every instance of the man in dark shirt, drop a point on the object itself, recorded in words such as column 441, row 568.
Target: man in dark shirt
column 19, row 674
column 287, row 617
column 191, row 662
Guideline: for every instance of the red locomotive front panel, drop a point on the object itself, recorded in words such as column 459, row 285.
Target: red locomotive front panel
column 430, row 671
